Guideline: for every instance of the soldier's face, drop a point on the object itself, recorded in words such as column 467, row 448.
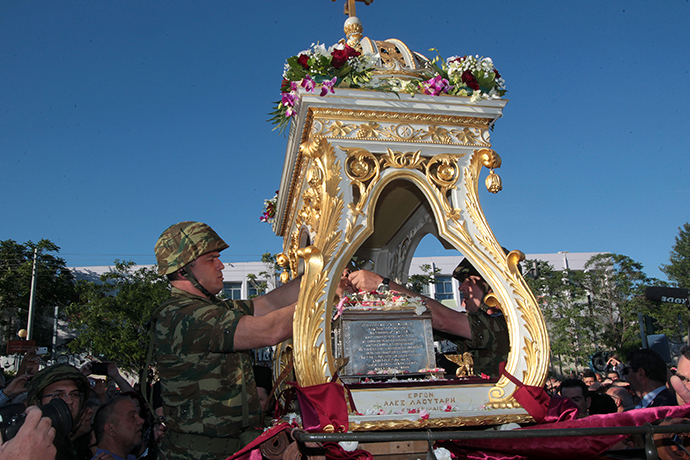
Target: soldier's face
column 472, row 293
column 208, row 270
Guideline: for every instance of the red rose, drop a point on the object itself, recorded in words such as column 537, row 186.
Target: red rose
column 498, row 75
column 303, row 60
column 285, row 86
column 469, row 80
column 340, row 57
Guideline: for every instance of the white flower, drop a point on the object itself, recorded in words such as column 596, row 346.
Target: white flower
column 320, row 50
column 442, row 453
column 349, row 446
column 476, row 96
column 337, row 46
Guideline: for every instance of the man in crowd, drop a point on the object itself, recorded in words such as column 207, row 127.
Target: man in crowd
column 622, row 397
column 681, row 380
column 476, row 330
column 202, row 347
column 646, row 372
column 118, row 428
column 576, row 391
column 589, row 377
column 65, row 382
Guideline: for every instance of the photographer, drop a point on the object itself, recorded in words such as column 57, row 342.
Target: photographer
column 34, row 440
column 67, row 383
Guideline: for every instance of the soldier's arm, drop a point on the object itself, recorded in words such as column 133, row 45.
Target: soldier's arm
column 262, row 331
column 278, row 298
column 443, row 319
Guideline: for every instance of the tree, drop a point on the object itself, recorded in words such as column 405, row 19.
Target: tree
column 617, row 285
column 418, row 283
column 561, row 297
column 54, row 287
column 678, row 269
column 111, row 314
column 266, row 279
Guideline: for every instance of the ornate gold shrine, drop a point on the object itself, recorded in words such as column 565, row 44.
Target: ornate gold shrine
column 368, row 174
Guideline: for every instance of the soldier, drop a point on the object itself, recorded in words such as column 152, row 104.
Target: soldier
column 202, row 347
column 480, row 331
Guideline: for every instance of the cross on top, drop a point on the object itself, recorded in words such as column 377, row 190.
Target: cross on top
column 350, row 7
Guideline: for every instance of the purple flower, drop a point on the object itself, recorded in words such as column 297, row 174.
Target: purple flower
column 308, row 84
column 328, row 85
column 289, row 99
column 436, row 86
column 289, row 112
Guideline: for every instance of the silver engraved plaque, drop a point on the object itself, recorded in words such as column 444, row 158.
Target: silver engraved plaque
column 385, row 342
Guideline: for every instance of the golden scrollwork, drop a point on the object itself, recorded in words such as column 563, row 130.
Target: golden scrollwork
column 443, row 172
column 363, row 169
column 400, row 132
column 323, row 191
column 409, row 160
column 448, row 422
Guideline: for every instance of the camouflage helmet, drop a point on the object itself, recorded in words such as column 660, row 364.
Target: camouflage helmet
column 182, row 243
column 57, row 373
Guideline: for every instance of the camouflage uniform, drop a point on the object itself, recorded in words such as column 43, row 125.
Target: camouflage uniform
column 490, row 343
column 208, row 389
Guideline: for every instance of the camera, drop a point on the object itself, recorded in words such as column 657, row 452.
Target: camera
column 12, row 418
column 99, row 368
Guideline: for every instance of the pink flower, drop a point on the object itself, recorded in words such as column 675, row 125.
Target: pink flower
column 288, row 99
column 328, row 85
column 340, row 307
column 448, row 408
column 437, row 85
column 423, row 414
column 308, row 84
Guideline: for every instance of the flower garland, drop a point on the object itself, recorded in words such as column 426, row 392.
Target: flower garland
column 390, row 300
column 269, row 209
column 339, row 64
column 343, row 66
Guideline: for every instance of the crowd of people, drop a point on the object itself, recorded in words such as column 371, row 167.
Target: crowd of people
column 643, row 380
column 82, row 415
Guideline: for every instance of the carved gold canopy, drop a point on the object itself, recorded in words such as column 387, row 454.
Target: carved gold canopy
column 368, row 175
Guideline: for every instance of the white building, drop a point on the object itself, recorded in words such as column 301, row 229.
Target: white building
column 237, row 286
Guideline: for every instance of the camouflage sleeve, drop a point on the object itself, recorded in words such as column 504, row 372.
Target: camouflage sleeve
column 201, row 328
column 486, row 330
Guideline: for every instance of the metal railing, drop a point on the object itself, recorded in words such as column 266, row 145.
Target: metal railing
column 648, row 430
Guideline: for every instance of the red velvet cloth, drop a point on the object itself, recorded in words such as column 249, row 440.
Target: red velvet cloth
column 574, row 447
column 323, row 407
column 246, row 452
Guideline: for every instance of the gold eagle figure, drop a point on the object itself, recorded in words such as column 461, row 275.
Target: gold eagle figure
column 465, row 363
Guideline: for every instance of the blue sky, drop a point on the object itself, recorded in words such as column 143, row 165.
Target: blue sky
column 120, row 118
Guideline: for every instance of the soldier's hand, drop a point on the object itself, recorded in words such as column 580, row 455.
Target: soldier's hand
column 364, row 280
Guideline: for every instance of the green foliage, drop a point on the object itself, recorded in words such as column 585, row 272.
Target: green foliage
column 597, row 309
column 110, row 316
column 561, row 297
column 617, row 284
column 54, row 287
column 417, row 283
column 678, row 269
column 260, row 282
